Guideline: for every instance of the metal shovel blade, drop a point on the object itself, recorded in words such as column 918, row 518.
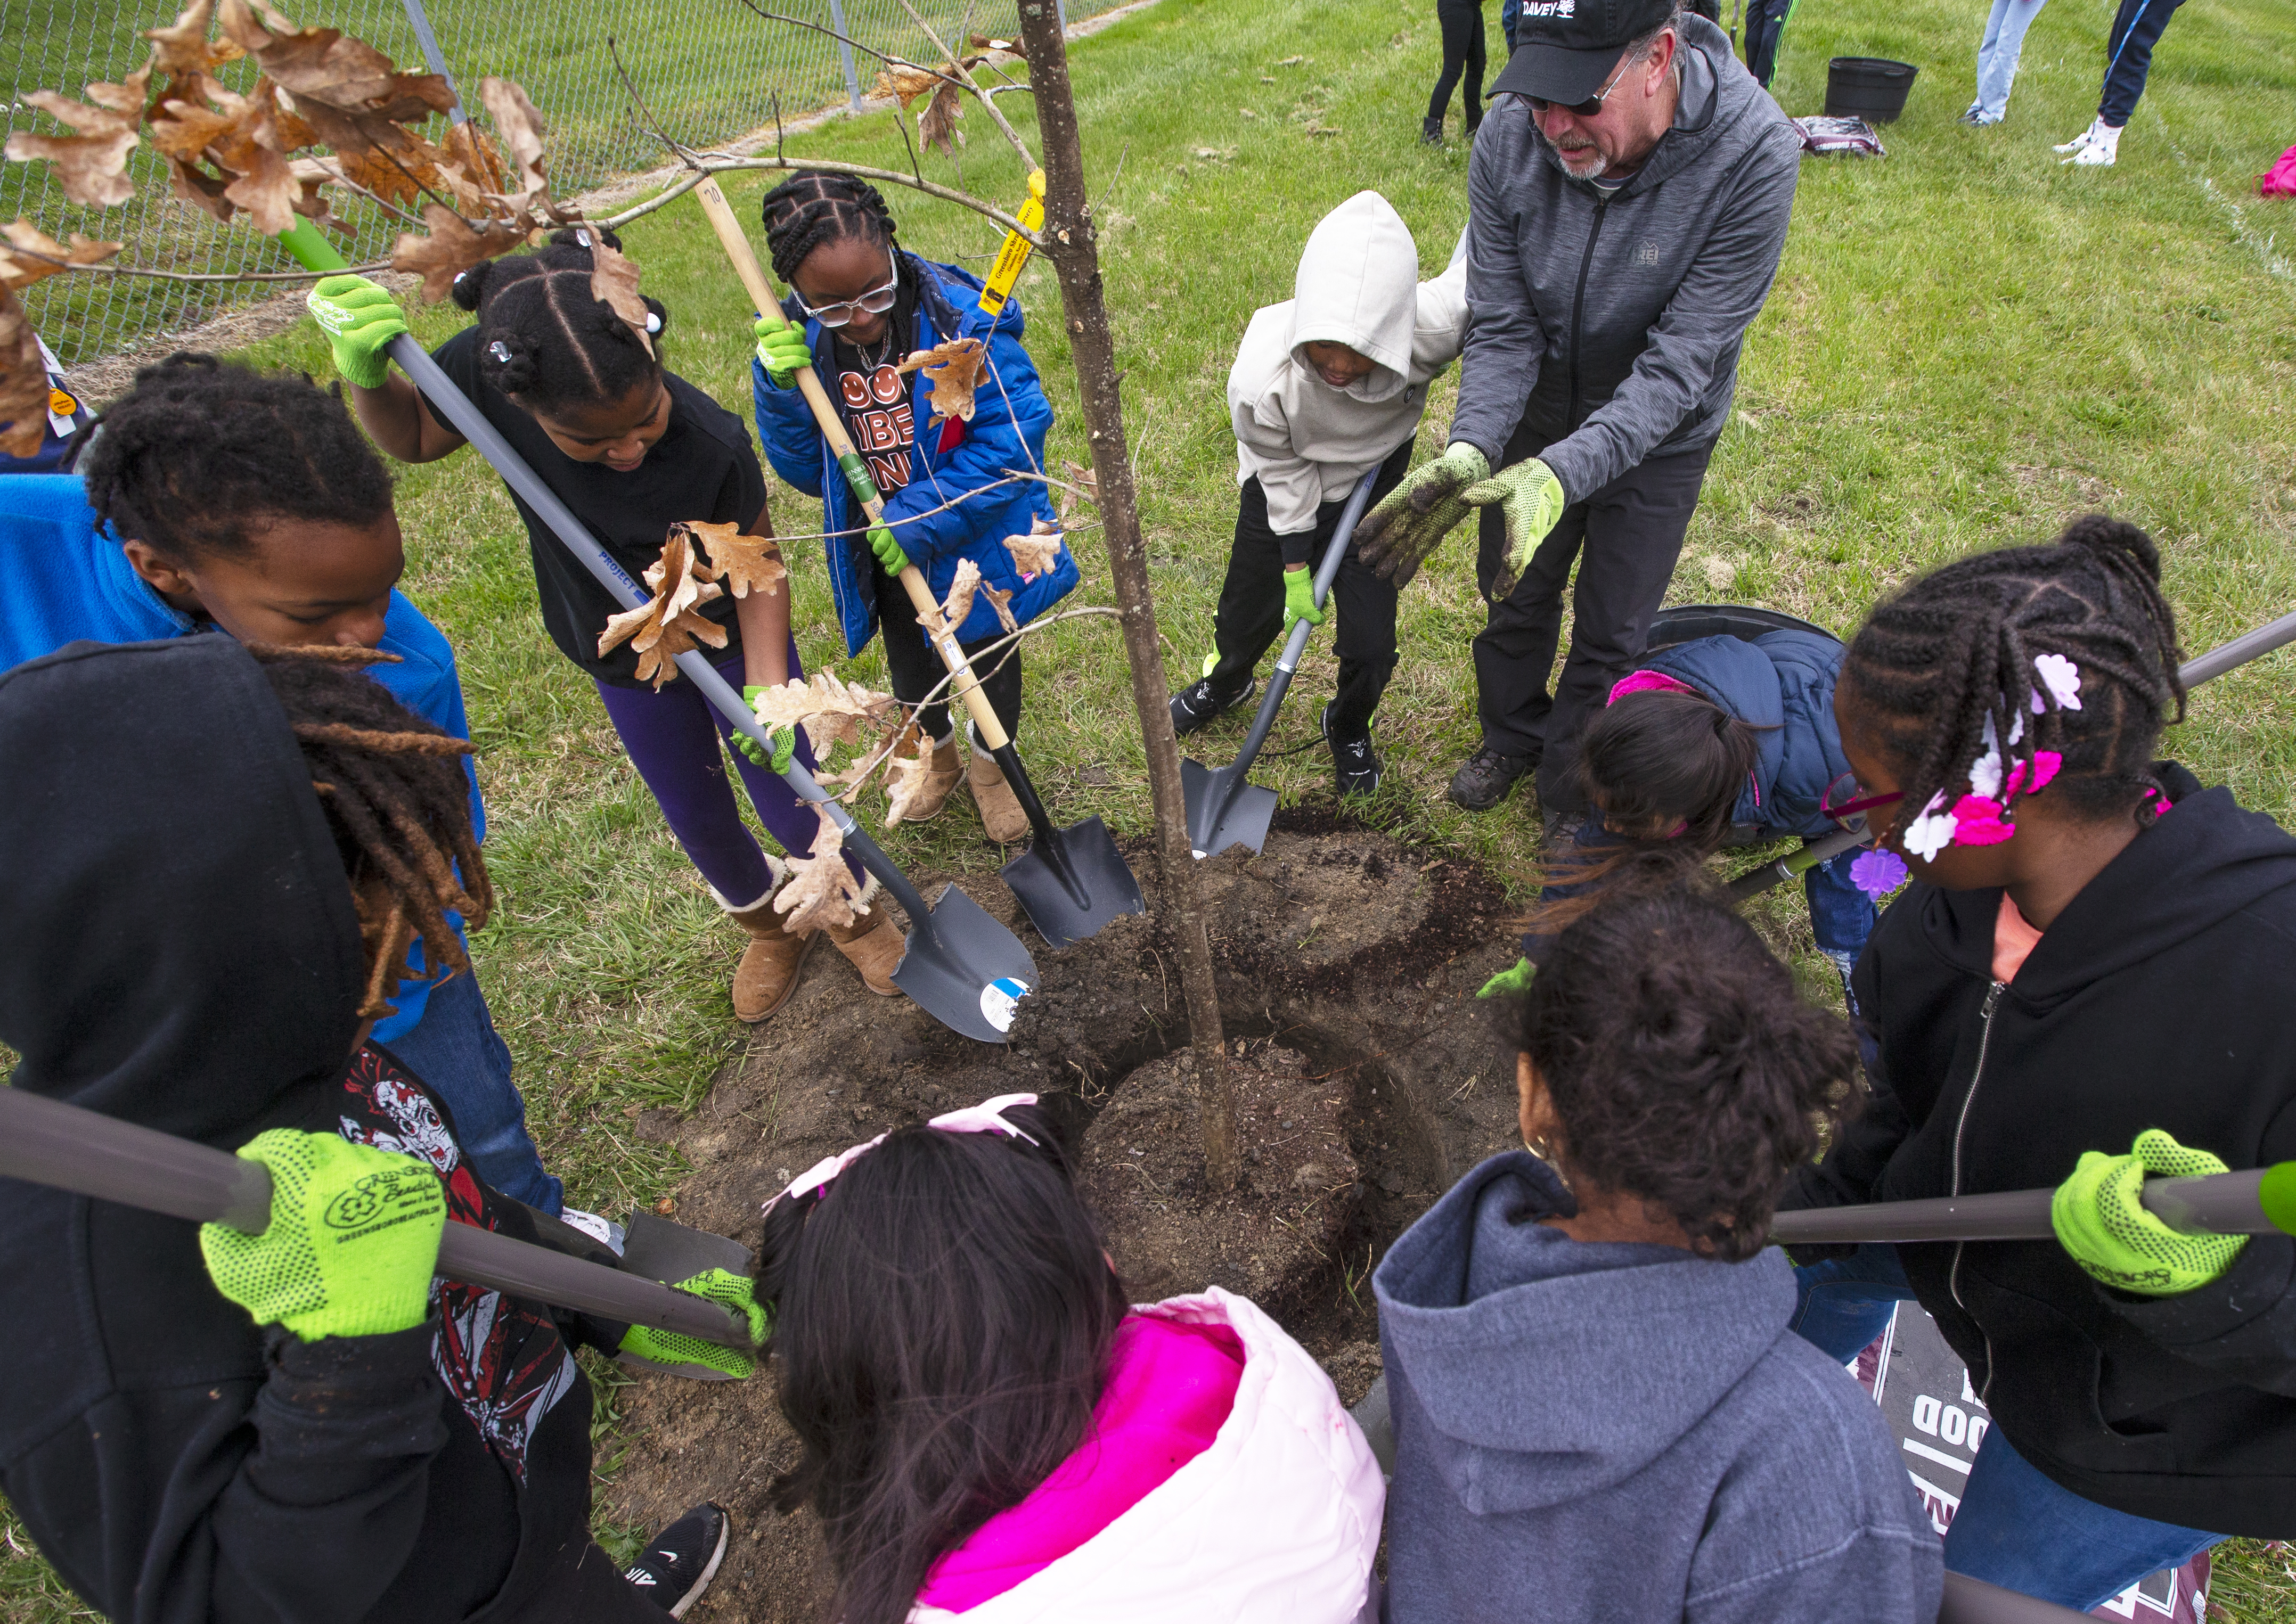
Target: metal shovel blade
column 1074, row 883
column 1224, row 809
column 964, row 969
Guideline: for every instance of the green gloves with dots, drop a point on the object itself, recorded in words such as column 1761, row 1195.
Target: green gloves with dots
column 352, row 1245
column 1299, row 599
column 1530, row 498
column 360, row 320
column 1396, row 536
column 785, row 738
column 782, row 350
column 670, row 1351
column 2100, row 1220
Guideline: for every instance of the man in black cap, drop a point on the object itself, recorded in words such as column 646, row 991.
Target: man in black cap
column 1627, row 201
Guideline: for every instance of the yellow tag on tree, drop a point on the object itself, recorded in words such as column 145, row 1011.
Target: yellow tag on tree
column 1016, row 251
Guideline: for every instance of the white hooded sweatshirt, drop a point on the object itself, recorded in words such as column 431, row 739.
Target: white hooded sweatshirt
column 1358, row 285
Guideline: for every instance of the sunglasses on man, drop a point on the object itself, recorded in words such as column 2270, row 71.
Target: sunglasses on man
column 876, row 302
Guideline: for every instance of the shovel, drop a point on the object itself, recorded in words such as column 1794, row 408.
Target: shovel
column 1224, row 810
column 2248, row 646
column 64, row 1146
column 1071, row 881
column 2257, row 1201
column 961, row 967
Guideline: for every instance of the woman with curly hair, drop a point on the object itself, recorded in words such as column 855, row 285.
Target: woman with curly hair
column 1598, row 1402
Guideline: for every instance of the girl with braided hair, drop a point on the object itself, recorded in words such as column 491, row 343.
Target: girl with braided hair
column 2095, row 952
column 210, row 893
column 860, row 306
column 217, row 498
column 631, row 447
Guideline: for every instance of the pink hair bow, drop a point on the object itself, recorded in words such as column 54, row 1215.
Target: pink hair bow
column 986, row 1117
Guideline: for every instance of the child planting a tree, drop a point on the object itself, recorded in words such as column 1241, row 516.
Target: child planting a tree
column 1327, row 386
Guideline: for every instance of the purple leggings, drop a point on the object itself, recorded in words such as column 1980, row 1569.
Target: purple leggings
column 672, row 737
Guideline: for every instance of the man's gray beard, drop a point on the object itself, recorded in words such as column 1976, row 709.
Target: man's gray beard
column 1584, row 164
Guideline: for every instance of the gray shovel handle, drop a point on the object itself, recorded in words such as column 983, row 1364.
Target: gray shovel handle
column 2221, row 1204
column 65, row 1146
column 1328, row 569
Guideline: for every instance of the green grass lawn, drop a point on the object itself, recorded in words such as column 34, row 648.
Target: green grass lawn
column 1967, row 344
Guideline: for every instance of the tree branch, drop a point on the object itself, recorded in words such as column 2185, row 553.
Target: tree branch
column 1028, row 164
column 727, row 166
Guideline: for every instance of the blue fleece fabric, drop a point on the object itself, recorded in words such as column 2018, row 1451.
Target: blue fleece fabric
column 1627, row 1433
column 1781, row 681
column 64, row 579
column 1011, row 417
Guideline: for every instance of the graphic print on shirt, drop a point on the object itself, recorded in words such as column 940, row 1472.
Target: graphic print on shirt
column 881, row 422
column 506, row 1364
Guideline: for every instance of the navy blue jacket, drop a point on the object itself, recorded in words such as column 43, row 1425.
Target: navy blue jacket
column 1011, row 417
column 1782, row 682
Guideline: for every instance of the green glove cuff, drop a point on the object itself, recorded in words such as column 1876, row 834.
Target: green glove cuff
column 2100, row 1219
column 690, row 1355
column 352, row 1243
column 1510, row 983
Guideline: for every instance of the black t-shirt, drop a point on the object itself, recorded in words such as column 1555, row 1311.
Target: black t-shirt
column 703, row 469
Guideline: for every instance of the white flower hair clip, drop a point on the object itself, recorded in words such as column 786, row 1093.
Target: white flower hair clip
column 986, row 1117
column 1985, row 815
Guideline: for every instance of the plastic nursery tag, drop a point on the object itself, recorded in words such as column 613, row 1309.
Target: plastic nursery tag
column 1016, row 251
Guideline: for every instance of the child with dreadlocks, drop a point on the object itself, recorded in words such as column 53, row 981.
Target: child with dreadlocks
column 953, row 476
column 2087, row 983
column 220, row 499
column 630, row 447
column 212, row 874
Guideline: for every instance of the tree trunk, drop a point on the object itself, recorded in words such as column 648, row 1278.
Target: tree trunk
column 1070, row 241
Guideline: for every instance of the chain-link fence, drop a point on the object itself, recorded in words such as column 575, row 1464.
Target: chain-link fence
column 710, row 72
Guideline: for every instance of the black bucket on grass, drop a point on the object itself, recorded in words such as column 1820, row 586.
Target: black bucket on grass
column 1869, row 87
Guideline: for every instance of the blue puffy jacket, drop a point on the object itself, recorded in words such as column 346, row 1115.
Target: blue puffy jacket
column 1783, row 683
column 1010, row 420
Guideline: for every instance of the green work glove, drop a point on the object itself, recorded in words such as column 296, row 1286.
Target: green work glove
column 1530, row 498
column 1300, row 600
column 1512, row 982
column 360, row 319
column 689, row 1356
column 785, row 738
column 781, row 351
column 1396, row 536
column 352, row 1245
column 2100, row 1220
column 887, row 551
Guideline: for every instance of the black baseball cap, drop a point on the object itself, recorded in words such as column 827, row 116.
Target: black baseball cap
column 1566, row 49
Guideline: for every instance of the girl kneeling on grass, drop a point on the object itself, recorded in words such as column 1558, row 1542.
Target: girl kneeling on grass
column 989, row 1433
column 860, row 307
column 2096, row 952
column 631, row 447
column 1600, row 1410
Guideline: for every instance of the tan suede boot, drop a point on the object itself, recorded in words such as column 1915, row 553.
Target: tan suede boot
column 872, row 942
column 768, row 971
column 941, row 778
column 1000, row 811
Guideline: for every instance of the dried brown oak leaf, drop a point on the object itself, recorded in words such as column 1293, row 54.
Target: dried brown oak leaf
column 953, row 371
column 937, row 125
column 92, row 164
column 831, row 712
column 1038, row 552
column 821, row 889
column 241, row 138
column 668, row 624
column 451, row 247
column 182, row 48
column 906, row 81
column 614, row 283
column 1087, row 489
column 741, row 561
column 906, row 779
column 520, row 125
column 1001, row 603
column 1011, row 47
column 23, row 381
column 958, row 604
column 40, row 255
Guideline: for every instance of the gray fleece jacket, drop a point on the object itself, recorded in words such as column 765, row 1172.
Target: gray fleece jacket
column 1610, row 326
column 1626, row 1433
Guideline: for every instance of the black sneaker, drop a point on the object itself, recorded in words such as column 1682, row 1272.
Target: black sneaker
column 1486, row 777
column 679, row 1563
column 1199, row 703
column 1431, row 131
column 1355, row 764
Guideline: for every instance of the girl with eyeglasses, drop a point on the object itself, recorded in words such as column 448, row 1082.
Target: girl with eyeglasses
column 954, row 487
column 631, row 447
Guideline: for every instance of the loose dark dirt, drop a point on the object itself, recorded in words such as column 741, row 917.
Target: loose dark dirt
column 1368, row 1078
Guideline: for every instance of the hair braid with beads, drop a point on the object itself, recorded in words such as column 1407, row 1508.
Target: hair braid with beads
column 397, row 798
column 545, row 338
column 1935, row 661
column 814, row 206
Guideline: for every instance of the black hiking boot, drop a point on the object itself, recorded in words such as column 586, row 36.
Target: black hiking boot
column 1431, row 131
column 1355, row 764
column 1199, row 703
column 1486, row 777
column 679, row 1563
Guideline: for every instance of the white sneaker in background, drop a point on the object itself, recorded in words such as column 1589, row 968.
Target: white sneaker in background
column 2081, row 141
column 2102, row 150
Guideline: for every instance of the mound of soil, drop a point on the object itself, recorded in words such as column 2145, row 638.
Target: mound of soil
column 1368, row 1079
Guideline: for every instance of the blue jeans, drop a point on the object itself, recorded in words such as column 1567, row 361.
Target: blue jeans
column 2017, row 1527
column 1997, row 54
column 455, row 1049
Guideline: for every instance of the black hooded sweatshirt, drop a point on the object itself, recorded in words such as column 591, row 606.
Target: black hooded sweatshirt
column 179, row 947
column 2159, row 997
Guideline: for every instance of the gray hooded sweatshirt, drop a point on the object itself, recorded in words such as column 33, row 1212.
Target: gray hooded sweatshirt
column 1626, row 1433
column 1610, row 326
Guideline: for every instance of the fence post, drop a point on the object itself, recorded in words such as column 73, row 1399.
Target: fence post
column 419, row 20
column 844, row 49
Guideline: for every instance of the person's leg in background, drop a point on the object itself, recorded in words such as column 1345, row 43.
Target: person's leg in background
column 2020, row 1529
column 671, row 737
column 1634, row 529
column 1996, row 58
column 1510, row 14
column 1470, row 97
column 1250, row 614
column 1841, row 1305
column 916, row 669
column 1766, row 27
column 455, row 1049
column 1458, row 21
column 1515, row 652
column 2136, row 27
